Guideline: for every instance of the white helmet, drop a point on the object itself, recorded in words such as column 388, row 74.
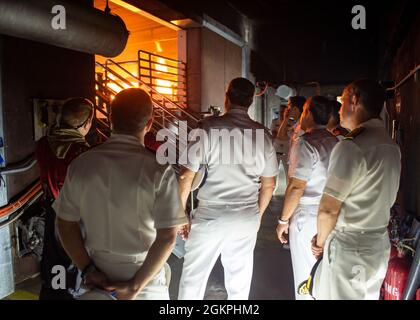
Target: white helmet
column 285, row 92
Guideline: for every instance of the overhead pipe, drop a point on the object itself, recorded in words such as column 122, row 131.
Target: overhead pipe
column 86, row 29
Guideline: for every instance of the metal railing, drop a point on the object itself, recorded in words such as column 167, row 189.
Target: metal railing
column 113, row 77
column 117, row 77
column 168, row 76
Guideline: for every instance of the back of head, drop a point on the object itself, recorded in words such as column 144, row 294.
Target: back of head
column 371, row 95
column 241, row 92
column 76, row 112
column 320, row 108
column 298, row 102
column 131, row 109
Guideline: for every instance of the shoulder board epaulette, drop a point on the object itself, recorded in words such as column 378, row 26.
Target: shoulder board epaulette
column 354, row 133
column 80, row 148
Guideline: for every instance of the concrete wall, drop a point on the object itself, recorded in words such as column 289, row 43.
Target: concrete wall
column 33, row 70
column 408, row 118
column 194, row 68
column 212, row 63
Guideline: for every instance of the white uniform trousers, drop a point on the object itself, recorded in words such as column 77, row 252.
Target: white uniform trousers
column 232, row 235
column 303, row 227
column 123, row 268
column 281, row 181
column 353, row 267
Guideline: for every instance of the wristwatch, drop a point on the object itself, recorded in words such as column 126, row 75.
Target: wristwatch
column 90, row 268
column 280, row 221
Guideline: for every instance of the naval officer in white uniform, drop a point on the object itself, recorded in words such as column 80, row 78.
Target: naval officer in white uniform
column 309, row 159
column 362, row 184
column 232, row 199
column 129, row 206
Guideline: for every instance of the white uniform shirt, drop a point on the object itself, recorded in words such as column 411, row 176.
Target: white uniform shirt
column 364, row 174
column 309, row 159
column 122, row 195
column 234, row 182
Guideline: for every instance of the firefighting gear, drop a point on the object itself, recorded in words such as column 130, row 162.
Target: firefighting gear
column 60, row 140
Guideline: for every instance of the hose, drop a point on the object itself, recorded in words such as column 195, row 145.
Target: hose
column 412, row 72
column 413, row 281
column 34, row 192
column 18, row 169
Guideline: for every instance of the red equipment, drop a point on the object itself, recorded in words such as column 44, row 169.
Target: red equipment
column 394, row 252
column 396, row 277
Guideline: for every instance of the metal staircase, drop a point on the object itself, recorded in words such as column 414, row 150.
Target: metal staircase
column 112, row 77
column 167, row 76
column 168, row 111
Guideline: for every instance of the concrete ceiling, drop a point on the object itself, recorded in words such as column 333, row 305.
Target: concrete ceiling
column 303, row 40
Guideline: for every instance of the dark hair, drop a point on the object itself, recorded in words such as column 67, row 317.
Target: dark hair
column 131, row 109
column 76, row 112
column 298, row 102
column 320, row 108
column 241, row 92
column 370, row 94
column 335, row 110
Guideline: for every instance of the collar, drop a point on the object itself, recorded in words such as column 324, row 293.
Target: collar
column 125, row 138
column 237, row 111
column 318, row 127
column 372, row 123
column 61, row 139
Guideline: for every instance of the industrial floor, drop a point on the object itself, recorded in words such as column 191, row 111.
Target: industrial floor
column 273, row 275
column 272, row 279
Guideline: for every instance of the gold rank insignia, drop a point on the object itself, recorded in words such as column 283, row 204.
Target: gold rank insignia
column 306, row 287
column 354, row 133
column 303, row 288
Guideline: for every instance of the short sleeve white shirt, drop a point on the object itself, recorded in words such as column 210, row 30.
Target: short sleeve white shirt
column 234, row 164
column 364, row 175
column 309, row 160
column 121, row 195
